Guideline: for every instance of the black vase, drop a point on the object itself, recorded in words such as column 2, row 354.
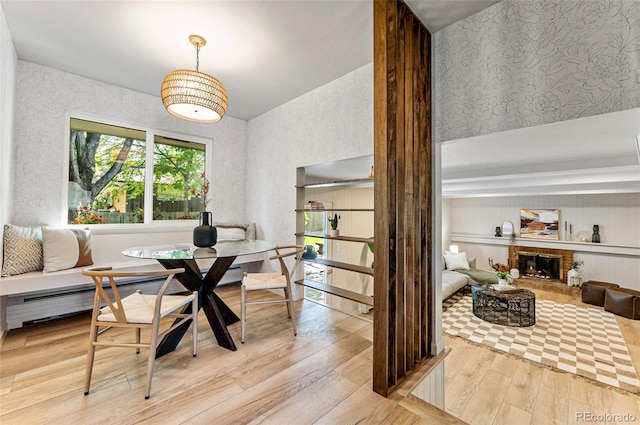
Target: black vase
column 205, row 235
column 595, row 238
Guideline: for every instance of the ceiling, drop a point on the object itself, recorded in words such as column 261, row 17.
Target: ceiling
column 596, row 154
column 267, row 53
column 264, row 52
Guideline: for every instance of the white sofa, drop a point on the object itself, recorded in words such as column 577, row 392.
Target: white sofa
column 37, row 296
column 457, row 279
column 453, row 282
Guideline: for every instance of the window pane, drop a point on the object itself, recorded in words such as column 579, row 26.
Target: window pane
column 106, row 174
column 179, row 187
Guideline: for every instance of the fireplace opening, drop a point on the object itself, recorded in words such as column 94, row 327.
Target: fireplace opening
column 539, row 266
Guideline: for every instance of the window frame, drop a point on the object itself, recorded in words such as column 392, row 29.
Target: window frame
column 150, row 134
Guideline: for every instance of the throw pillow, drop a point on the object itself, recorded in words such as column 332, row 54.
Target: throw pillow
column 65, row 248
column 22, row 250
column 456, row 261
column 231, row 232
column 472, row 262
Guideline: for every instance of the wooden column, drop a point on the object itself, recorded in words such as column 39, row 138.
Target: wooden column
column 403, row 194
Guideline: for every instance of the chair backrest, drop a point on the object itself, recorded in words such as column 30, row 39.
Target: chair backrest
column 114, row 301
column 284, row 251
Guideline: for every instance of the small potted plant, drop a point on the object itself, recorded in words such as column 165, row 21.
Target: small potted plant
column 574, row 277
column 502, row 278
column 334, row 226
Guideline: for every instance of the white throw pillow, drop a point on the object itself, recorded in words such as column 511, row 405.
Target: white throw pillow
column 231, row 232
column 456, row 261
column 65, row 248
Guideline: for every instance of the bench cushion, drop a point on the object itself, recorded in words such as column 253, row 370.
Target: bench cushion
column 22, row 250
column 593, row 292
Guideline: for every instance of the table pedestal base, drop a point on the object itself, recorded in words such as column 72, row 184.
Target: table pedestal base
column 218, row 313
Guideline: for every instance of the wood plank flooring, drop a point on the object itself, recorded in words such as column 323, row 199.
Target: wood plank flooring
column 322, row 376
column 486, row 387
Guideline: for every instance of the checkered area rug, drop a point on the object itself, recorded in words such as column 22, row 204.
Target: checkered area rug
column 583, row 341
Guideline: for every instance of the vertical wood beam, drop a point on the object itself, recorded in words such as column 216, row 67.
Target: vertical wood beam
column 402, row 157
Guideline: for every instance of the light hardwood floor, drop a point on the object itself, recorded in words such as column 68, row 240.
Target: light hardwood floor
column 321, row 376
column 486, row 387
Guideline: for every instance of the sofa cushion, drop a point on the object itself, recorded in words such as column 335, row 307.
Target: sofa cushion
column 65, row 248
column 22, row 248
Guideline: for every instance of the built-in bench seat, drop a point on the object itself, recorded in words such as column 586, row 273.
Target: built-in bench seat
column 37, row 296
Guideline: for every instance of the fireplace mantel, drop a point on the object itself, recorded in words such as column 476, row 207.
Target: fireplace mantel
column 626, row 250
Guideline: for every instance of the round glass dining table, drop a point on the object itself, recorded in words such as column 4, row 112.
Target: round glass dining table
column 187, row 251
column 184, row 255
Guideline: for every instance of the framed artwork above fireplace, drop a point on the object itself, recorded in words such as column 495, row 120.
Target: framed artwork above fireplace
column 539, row 223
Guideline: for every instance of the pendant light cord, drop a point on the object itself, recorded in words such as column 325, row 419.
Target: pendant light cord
column 197, row 57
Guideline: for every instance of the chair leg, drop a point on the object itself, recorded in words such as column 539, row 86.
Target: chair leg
column 292, row 315
column 194, row 323
column 138, row 340
column 152, row 357
column 287, row 297
column 93, row 337
column 243, row 312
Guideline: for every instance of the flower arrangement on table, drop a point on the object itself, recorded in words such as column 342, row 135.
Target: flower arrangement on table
column 202, row 192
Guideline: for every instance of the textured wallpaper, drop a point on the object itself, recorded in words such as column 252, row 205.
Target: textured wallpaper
column 524, row 63
column 330, row 123
column 8, row 71
column 44, row 95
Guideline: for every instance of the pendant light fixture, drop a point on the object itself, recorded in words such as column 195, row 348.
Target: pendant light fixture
column 194, row 95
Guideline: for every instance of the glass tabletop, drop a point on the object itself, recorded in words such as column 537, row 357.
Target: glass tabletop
column 187, row 251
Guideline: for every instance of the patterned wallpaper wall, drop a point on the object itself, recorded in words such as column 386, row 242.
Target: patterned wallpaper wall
column 8, row 66
column 524, row 63
column 44, row 95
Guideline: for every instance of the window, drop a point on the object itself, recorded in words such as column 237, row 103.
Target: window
column 112, row 182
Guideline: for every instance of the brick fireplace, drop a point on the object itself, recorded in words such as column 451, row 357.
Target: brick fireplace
column 564, row 256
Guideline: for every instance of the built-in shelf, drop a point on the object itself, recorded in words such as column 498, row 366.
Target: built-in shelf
column 335, row 209
column 628, row 250
column 344, row 266
column 337, row 238
column 305, row 184
column 344, row 293
column 350, row 182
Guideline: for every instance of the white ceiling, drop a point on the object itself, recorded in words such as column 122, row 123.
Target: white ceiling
column 596, row 154
column 269, row 52
column 264, row 52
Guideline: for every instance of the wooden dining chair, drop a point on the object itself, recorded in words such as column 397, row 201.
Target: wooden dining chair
column 270, row 281
column 137, row 312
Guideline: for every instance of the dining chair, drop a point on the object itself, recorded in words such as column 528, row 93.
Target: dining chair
column 269, row 281
column 137, row 312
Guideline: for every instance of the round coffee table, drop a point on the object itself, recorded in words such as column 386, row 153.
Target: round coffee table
column 508, row 308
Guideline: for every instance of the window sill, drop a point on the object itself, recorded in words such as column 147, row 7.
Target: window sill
column 138, row 228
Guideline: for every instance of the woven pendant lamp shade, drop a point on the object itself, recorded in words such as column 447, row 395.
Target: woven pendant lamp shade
column 194, row 95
